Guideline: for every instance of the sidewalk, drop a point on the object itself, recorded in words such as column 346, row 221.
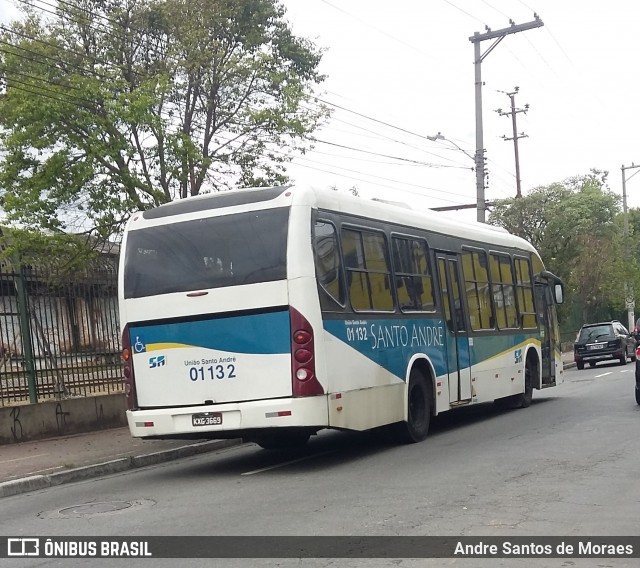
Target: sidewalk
column 29, row 466
column 567, row 360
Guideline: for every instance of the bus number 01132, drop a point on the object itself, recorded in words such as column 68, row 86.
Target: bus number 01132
column 356, row 334
column 213, row 372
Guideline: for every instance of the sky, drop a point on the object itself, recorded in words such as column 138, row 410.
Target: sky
column 403, row 71
column 409, row 63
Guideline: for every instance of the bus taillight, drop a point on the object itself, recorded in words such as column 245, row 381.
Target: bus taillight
column 303, row 365
column 129, row 378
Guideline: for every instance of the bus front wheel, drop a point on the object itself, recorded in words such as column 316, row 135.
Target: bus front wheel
column 524, row 400
column 419, row 404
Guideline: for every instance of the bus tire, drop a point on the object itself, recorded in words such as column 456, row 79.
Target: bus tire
column 419, row 407
column 524, row 400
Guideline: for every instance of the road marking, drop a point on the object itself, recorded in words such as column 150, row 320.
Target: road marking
column 46, row 469
column 603, row 375
column 288, row 463
column 27, row 458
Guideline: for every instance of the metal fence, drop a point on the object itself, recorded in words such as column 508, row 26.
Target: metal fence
column 59, row 334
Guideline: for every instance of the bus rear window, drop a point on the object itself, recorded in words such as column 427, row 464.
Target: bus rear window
column 232, row 250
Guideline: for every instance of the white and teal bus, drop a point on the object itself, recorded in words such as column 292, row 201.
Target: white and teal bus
column 270, row 314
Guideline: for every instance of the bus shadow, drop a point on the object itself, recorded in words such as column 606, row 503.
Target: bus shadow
column 328, row 449
column 466, row 415
column 332, row 449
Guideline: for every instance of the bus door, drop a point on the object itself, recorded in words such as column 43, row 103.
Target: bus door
column 458, row 359
column 549, row 333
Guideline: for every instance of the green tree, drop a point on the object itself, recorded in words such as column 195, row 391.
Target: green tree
column 115, row 106
column 575, row 225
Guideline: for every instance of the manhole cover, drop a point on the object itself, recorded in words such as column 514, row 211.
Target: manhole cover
column 87, row 510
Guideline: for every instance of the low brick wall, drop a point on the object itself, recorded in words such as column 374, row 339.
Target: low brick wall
column 25, row 422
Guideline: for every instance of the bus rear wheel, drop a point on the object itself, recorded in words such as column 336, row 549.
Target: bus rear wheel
column 419, row 403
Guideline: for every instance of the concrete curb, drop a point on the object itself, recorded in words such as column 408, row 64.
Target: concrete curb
column 36, row 482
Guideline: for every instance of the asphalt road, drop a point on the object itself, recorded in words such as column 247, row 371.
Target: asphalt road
column 567, row 466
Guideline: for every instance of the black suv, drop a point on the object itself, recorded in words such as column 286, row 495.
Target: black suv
column 603, row 341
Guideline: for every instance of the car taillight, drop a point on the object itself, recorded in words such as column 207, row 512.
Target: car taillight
column 303, row 364
column 129, row 377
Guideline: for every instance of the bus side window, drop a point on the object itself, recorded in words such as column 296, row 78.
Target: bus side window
column 367, row 269
column 502, row 288
column 479, row 300
column 524, row 286
column 328, row 267
column 413, row 276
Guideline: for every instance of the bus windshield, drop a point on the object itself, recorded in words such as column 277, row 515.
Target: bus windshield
column 206, row 253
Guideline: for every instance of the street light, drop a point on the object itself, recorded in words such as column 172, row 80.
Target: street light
column 436, row 138
column 439, row 136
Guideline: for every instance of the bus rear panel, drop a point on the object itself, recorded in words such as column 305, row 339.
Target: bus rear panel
column 212, row 347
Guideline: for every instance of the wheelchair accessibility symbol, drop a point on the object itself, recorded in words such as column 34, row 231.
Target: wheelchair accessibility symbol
column 518, row 356
column 139, row 346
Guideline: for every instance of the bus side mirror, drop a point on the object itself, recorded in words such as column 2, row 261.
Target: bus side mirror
column 559, row 293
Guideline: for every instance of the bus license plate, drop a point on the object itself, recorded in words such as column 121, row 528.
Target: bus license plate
column 206, row 419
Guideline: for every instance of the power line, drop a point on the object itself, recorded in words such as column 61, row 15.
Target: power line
column 68, row 17
column 542, row 57
column 368, row 160
column 68, row 98
column 83, row 9
column 553, row 37
column 526, row 6
column 464, row 11
column 37, row 54
column 387, row 125
column 373, row 119
column 386, row 186
column 496, row 9
column 49, row 44
column 306, row 159
column 385, row 137
column 54, row 84
column 40, row 94
column 107, row 31
column 375, row 28
column 418, row 162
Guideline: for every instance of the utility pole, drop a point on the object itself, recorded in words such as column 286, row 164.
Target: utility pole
column 514, row 111
column 628, row 290
column 478, row 58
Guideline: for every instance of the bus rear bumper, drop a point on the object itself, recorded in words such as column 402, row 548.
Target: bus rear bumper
column 227, row 420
